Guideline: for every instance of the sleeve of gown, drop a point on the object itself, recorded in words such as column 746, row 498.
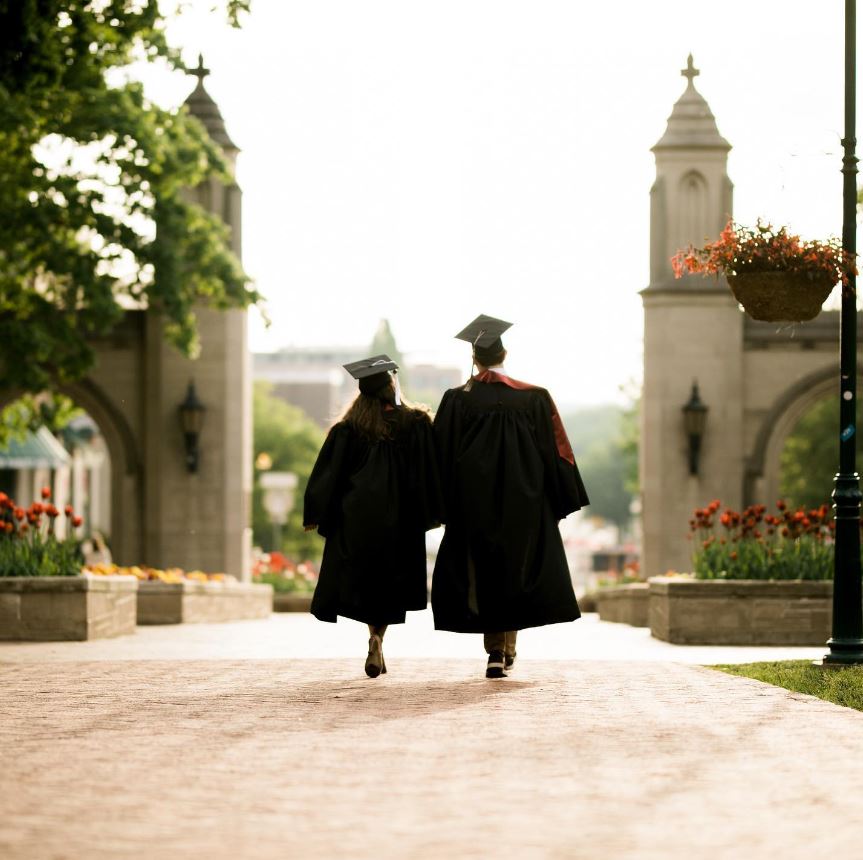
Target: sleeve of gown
column 446, row 431
column 565, row 487
column 425, row 475
column 321, row 503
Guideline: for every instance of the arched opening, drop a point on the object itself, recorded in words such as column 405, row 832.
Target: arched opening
column 807, row 410
column 94, row 467
column 810, row 456
column 54, row 443
column 692, row 211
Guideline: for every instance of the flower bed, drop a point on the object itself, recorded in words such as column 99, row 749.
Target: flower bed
column 29, row 545
column 293, row 584
column 171, row 575
column 759, row 579
column 757, row 545
column 43, row 596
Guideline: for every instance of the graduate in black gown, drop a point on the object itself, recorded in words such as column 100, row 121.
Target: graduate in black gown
column 508, row 476
column 373, row 493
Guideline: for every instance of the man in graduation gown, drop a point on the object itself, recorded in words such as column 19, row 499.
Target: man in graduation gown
column 508, row 476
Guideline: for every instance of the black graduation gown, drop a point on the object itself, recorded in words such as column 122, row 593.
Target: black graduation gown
column 373, row 502
column 501, row 564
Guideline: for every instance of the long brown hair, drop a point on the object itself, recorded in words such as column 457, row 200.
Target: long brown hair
column 367, row 413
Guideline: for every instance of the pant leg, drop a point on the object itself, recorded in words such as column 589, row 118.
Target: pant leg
column 509, row 643
column 494, row 641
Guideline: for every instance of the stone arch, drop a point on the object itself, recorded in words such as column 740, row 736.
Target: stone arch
column 762, row 474
column 693, row 207
column 126, row 482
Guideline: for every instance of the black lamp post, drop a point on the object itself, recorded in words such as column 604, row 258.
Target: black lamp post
column 846, row 644
column 191, row 418
column 694, row 420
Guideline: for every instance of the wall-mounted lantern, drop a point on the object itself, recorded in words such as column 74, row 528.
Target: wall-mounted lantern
column 694, row 419
column 191, row 418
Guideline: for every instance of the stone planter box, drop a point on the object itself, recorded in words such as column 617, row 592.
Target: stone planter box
column 625, row 604
column 740, row 612
column 292, row 601
column 587, row 602
column 61, row 608
column 198, row 602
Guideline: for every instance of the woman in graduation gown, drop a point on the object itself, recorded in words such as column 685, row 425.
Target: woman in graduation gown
column 373, row 493
column 508, row 475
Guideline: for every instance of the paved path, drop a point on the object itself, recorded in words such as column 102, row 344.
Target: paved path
column 295, row 758
column 297, row 636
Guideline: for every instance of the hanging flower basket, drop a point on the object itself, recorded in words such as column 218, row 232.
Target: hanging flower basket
column 781, row 296
column 776, row 276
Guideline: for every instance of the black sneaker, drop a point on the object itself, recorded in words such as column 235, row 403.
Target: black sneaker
column 508, row 660
column 494, row 669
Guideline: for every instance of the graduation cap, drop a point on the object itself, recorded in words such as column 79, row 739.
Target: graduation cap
column 484, row 334
column 372, row 373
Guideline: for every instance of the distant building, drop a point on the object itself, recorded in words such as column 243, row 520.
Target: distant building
column 312, row 379
column 429, row 381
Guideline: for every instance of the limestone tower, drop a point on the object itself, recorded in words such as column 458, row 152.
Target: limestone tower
column 201, row 519
column 693, row 331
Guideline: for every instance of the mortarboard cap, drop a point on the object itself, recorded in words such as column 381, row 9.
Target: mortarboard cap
column 372, row 373
column 484, row 332
column 370, row 366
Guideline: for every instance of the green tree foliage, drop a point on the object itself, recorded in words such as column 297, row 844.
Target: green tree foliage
column 384, row 343
column 31, row 411
column 291, row 441
column 810, row 457
column 630, row 435
column 591, row 426
column 92, row 179
column 606, row 451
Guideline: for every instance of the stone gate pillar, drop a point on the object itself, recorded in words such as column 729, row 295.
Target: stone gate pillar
column 693, row 330
column 202, row 520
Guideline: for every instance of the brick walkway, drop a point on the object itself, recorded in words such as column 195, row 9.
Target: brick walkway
column 307, row 758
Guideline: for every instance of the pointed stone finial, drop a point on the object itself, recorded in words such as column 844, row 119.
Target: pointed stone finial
column 690, row 71
column 201, row 71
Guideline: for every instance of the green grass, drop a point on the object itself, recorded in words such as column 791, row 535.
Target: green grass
column 842, row 686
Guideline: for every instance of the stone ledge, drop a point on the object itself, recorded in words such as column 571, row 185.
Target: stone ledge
column 202, row 602
column 740, row 612
column 292, row 601
column 64, row 584
column 624, row 604
column 60, row 608
column 741, row 587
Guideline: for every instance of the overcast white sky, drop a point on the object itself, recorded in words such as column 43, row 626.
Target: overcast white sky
column 427, row 162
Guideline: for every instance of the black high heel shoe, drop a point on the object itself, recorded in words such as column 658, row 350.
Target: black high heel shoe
column 375, row 661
